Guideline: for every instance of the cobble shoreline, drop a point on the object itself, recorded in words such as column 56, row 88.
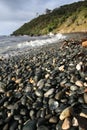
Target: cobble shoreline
column 45, row 88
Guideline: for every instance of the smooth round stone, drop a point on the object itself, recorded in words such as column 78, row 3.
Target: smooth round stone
column 23, row 112
column 2, row 87
column 10, row 107
column 79, row 83
column 30, row 125
column 49, row 92
column 59, row 95
column 65, row 113
column 17, row 117
column 28, row 89
column 73, row 88
column 53, row 105
column 41, row 122
column 62, row 83
column 40, row 83
column 78, row 66
column 66, row 124
column 61, row 68
column 32, row 113
column 74, row 122
column 39, row 93
column 14, row 125
column 18, row 81
column 81, row 100
column 53, row 119
column 42, row 128
column 85, row 97
column 6, row 127
column 59, row 125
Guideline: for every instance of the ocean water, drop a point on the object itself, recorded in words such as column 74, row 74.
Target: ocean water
column 14, row 45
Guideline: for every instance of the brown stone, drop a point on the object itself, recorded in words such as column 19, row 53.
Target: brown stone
column 74, row 122
column 79, row 83
column 66, row 124
column 85, row 97
column 84, row 44
column 53, row 119
column 65, row 113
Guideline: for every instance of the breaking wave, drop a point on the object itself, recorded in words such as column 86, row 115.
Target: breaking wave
column 36, row 43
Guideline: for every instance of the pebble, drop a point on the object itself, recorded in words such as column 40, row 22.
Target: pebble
column 78, row 66
column 49, row 92
column 53, row 119
column 65, row 113
column 61, row 68
column 74, row 122
column 44, row 89
column 73, row 88
column 85, row 97
column 59, row 95
column 30, row 125
column 53, row 104
column 39, row 93
column 84, row 44
column 79, row 83
column 42, row 128
column 2, row 87
column 66, row 124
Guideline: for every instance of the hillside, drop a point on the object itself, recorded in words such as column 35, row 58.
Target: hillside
column 65, row 19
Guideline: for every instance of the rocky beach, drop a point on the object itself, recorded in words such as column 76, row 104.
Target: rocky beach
column 45, row 88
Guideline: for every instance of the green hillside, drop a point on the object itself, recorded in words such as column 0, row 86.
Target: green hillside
column 65, row 19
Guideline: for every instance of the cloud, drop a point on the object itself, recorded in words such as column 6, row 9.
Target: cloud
column 16, row 12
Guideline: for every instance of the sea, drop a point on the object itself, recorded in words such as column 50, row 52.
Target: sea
column 15, row 45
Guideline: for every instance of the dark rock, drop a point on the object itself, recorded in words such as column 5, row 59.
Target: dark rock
column 30, row 125
column 42, row 128
column 14, row 125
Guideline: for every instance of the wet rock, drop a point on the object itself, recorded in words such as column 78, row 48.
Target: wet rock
column 61, row 68
column 42, row 128
column 49, row 92
column 78, row 66
column 59, row 95
column 85, row 97
column 79, row 83
column 66, row 124
column 74, row 122
column 83, row 115
column 73, row 88
column 39, row 93
column 82, row 122
column 41, row 122
column 65, row 113
column 2, row 87
column 14, row 125
column 6, row 127
column 30, row 125
column 53, row 104
column 40, row 83
column 84, row 44
column 53, row 119
column 32, row 114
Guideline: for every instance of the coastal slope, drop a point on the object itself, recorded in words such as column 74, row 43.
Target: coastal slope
column 64, row 19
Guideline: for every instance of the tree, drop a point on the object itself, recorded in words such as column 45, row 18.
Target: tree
column 48, row 11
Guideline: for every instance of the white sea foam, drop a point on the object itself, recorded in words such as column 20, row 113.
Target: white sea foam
column 36, row 43
column 10, row 46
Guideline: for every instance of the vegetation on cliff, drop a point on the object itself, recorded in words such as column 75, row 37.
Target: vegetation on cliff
column 65, row 19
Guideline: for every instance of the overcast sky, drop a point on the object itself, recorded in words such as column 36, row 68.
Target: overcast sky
column 14, row 13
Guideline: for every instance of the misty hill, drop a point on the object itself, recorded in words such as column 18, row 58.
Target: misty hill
column 65, row 19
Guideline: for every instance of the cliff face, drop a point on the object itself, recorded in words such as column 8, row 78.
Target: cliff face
column 65, row 19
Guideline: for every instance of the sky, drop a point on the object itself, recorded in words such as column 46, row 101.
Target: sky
column 14, row 13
